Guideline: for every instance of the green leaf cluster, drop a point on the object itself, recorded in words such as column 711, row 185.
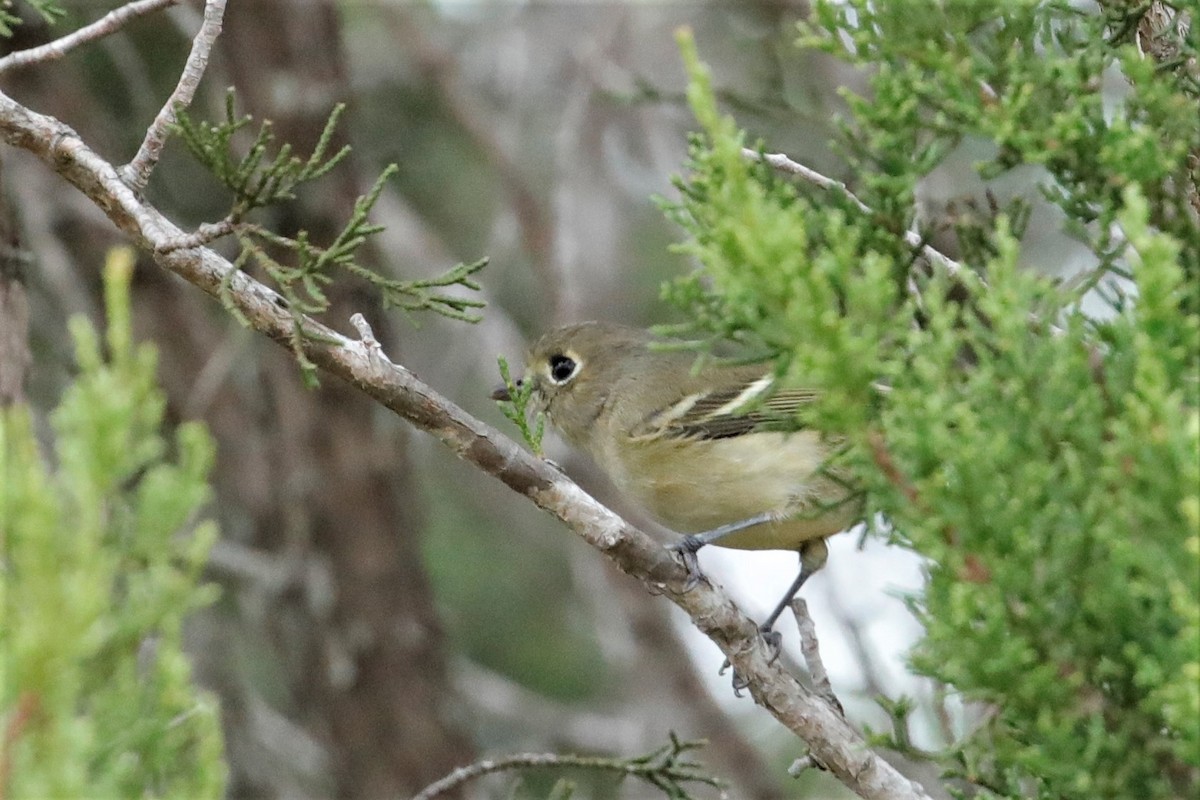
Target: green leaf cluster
column 102, row 552
column 670, row 768
column 1048, row 83
column 1050, row 485
column 256, row 179
column 49, row 10
column 299, row 268
column 516, row 408
column 1046, row 462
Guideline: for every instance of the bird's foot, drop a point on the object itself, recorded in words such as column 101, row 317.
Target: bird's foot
column 774, row 641
column 685, row 552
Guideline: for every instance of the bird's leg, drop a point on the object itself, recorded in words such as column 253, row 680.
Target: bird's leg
column 686, row 549
column 813, row 555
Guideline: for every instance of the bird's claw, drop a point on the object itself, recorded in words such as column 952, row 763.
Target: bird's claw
column 685, row 551
column 739, row 683
column 774, row 642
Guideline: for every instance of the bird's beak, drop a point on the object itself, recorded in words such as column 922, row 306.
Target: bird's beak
column 501, row 392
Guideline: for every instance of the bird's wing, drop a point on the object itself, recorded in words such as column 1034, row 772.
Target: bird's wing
column 726, row 412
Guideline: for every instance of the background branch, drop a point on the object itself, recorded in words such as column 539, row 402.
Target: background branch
column 785, row 164
column 105, row 26
column 830, row 738
column 664, row 769
column 137, row 172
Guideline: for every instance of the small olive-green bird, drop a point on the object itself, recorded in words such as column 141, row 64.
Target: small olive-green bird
column 701, row 450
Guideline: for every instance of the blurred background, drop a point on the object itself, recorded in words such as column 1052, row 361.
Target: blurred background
column 388, row 612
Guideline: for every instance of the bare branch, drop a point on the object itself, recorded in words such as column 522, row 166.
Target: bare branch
column 205, row 234
column 137, row 172
column 828, row 736
column 812, row 655
column 105, row 26
column 667, row 769
column 485, row 767
column 784, row 164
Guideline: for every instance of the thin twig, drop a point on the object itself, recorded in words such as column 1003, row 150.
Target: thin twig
column 205, row 234
column 663, row 768
column 811, row 650
column 782, row 163
column 137, row 172
column 486, row 767
column 105, row 26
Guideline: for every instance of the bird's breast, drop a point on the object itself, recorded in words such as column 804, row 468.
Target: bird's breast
column 697, row 485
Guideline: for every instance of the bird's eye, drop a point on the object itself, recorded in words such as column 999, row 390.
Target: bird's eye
column 562, row 368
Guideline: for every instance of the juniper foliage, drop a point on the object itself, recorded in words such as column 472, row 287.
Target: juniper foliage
column 102, row 546
column 1045, row 461
column 259, row 174
column 48, row 10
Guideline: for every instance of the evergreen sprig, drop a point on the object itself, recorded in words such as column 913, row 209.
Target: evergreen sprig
column 1028, row 80
column 49, row 10
column 1050, row 480
column 670, row 768
column 516, row 408
column 104, row 545
column 257, row 179
column 299, row 268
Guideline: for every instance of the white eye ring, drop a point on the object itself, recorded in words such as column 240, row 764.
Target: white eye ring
column 562, row 368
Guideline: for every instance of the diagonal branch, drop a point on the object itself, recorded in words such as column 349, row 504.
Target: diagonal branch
column 782, row 163
column 102, row 27
column 363, row 364
column 137, row 172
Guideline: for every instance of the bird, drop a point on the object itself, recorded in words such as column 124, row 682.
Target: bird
column 708, row 449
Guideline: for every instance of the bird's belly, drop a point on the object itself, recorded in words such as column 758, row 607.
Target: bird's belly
column 696, row 486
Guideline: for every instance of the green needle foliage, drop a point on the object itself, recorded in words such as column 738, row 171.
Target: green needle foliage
column 256, row 179
column 1046, row 462
column 1029, row 79
column 297, row 267
column 532, row 424
column 49, row 10
column 102, row 552
column 670, row 768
